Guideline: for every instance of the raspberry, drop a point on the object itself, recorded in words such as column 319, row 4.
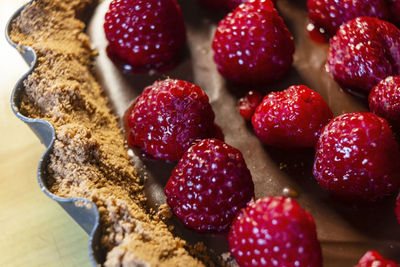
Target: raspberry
column 397, row 209
column 274, row 231
column 168, row 117
column 252, row 45
column 372, row 258
column 291, row 118
column 210, row 184
column 248, row 104
column 384, row 99
column 357, row 158
column 330, row 14
column 227, row 5
column 363, row 52
column 145, row 34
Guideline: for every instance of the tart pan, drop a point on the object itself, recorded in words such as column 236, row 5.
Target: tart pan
column 345, row 232
column 83, row 211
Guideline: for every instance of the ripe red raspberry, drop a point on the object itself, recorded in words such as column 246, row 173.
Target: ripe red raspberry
column 363, row 52
column 384, row 99
column 397, row 209
column 210, row 184
column 168, row 117
column 249, row 103
column 252, row 45
column 372, row 258
column 274, row 231
column 227, row 5
column 291, row 118
column 330, row 14
column 357, row 158
column 145, row 34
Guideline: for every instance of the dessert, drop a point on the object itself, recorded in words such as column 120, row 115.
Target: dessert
column 356, row 158
column 159, row 33
column 373, row 258
column 360, row 61
column 168, row 117
column 330, row 14
column 345, row 232
column 209, row 185
column 252, row 45
column 291, row 118
column 384, row 99
column 275, row 231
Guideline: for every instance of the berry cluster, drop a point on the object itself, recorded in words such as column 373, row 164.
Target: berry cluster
column 211, row 188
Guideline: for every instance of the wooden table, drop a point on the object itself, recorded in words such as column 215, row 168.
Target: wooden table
column 35, row 230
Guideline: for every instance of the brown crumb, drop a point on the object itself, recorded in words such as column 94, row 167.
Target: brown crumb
column 165, row 211
column 89, row 159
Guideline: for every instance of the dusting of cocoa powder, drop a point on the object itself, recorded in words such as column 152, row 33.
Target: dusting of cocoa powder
column 89, row 157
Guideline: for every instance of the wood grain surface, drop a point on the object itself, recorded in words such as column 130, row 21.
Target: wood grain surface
column 35, row 230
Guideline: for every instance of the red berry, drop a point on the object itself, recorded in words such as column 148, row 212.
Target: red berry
column 397, row 209
column 357, row 158
column 330, row 14
column 249, row 103
column 252, row 45
column 291, row 118
column 210, row 184
column 363, row 52
column 227, row 5
column 372, row 258
column 168, row 117
column 274, row 231
column 145, row 34
column 384, row 99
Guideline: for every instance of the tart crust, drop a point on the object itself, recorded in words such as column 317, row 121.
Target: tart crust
column 89, row 157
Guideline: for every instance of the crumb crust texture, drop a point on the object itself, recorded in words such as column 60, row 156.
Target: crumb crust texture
column 89, row 159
